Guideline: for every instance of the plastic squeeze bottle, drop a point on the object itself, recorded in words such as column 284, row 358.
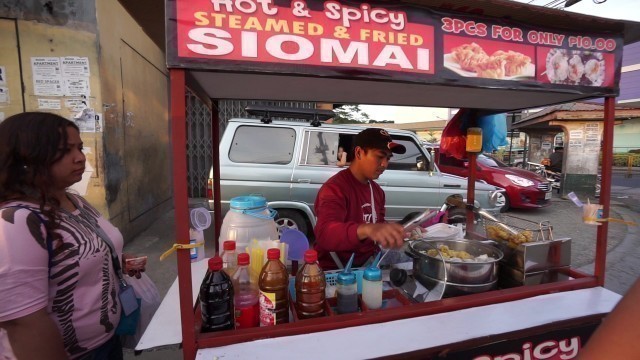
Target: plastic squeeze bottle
column 372, row 287
column 310, row 286
column 216, row 298
column 273, row 285
column 229, row 257
column 245, row 299
column 347, row 290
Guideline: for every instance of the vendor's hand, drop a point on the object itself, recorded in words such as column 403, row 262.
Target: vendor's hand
column 133, row 265
column 387, row 235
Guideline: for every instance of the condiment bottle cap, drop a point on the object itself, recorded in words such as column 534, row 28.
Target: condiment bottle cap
column 346, row 278
column 273, row 254
column 229, row 245
column 215, row 263
column 372, row 274
column 310, row 256
column 243, row 259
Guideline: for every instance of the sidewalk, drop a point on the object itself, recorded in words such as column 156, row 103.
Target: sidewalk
column 623, row 247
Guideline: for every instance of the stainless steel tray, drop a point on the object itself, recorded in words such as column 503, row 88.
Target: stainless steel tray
column 542, row 252
column 511, row 277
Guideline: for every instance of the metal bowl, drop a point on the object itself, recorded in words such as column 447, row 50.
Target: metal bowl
column 456, row 272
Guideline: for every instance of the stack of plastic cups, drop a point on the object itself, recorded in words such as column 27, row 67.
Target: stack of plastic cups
column 200, row 221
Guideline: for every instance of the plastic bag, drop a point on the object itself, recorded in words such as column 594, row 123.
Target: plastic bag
column 150, row 299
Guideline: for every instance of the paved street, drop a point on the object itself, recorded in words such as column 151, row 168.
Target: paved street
column 623, row 259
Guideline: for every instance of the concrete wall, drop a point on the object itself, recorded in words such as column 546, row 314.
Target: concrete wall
column 129, row 155
column 626, row 136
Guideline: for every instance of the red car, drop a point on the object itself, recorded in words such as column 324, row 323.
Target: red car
column 524, row 189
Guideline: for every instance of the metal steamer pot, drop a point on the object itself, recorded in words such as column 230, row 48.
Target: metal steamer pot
column 459, row 278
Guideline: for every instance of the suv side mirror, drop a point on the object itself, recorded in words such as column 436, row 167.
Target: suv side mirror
column 423, row 164
column 420, row 163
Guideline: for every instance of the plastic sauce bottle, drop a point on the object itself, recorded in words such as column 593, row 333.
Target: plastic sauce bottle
column 245, row 299
column 216, row 298
column 229, row 257
column 310, row 286
column 372, row 287
column 273, row 283
column 347, row 293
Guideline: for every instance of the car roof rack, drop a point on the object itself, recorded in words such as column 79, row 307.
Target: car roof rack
column 315, row 116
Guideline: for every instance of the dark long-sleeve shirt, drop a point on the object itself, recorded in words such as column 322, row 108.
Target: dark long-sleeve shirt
column 342, row 204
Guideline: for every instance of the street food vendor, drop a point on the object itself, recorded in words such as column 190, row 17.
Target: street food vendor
column 350, row 206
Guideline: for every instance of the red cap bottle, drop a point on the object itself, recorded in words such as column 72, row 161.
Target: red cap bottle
column 229, row 245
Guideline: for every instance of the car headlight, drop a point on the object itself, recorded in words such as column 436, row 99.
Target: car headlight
column 520, row 181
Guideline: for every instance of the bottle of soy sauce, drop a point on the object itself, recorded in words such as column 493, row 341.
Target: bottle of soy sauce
column 216, row 298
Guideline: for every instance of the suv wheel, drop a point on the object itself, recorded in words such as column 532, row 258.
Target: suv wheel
column 291, row 219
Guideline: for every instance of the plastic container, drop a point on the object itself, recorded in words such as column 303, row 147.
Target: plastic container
column 229, row 257
column 216, row 298
column 372, row 288
column 273, row 285
column 347, row 293
column 200, row 221
column 249, row 218
column 310, row 287
column 245, row 300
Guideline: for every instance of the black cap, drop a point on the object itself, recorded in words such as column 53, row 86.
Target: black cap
column 375, row 138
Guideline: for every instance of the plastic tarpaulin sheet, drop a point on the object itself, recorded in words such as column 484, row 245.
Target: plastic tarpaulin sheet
column 454, row 138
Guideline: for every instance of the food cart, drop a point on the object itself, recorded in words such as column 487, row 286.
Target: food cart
column 479, row 54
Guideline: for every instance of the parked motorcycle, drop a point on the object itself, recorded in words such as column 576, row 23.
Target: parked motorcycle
column 555, row 178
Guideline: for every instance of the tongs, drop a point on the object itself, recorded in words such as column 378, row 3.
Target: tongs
column 484, row 214
column 454, row 200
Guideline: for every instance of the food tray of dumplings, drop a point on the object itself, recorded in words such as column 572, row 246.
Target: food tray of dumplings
column 527, row 245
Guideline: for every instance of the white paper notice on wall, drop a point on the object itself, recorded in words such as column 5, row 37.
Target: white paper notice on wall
column 3, row 75
column 75, row 66
column 86, row 120
column 99, row 122
column 49, row 104
column 76, row 86
column 545, row 146
column 576, row 134
column 47, row 76
column 4, row 96
column 75, row 105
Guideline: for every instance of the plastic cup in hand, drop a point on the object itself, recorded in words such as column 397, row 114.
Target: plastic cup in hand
column 591, row 213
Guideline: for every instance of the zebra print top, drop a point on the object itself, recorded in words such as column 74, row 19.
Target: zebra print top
column 80, row 291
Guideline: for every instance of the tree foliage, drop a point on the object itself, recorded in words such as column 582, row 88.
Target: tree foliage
column 350, row 114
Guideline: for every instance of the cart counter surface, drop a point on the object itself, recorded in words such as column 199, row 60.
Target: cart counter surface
column 394, row 337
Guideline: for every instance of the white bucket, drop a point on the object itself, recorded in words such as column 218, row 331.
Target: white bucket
column 248, row 218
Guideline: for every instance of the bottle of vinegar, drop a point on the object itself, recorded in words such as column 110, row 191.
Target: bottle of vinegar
column 310, row 286
column 273, row 283
column 229, row 257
